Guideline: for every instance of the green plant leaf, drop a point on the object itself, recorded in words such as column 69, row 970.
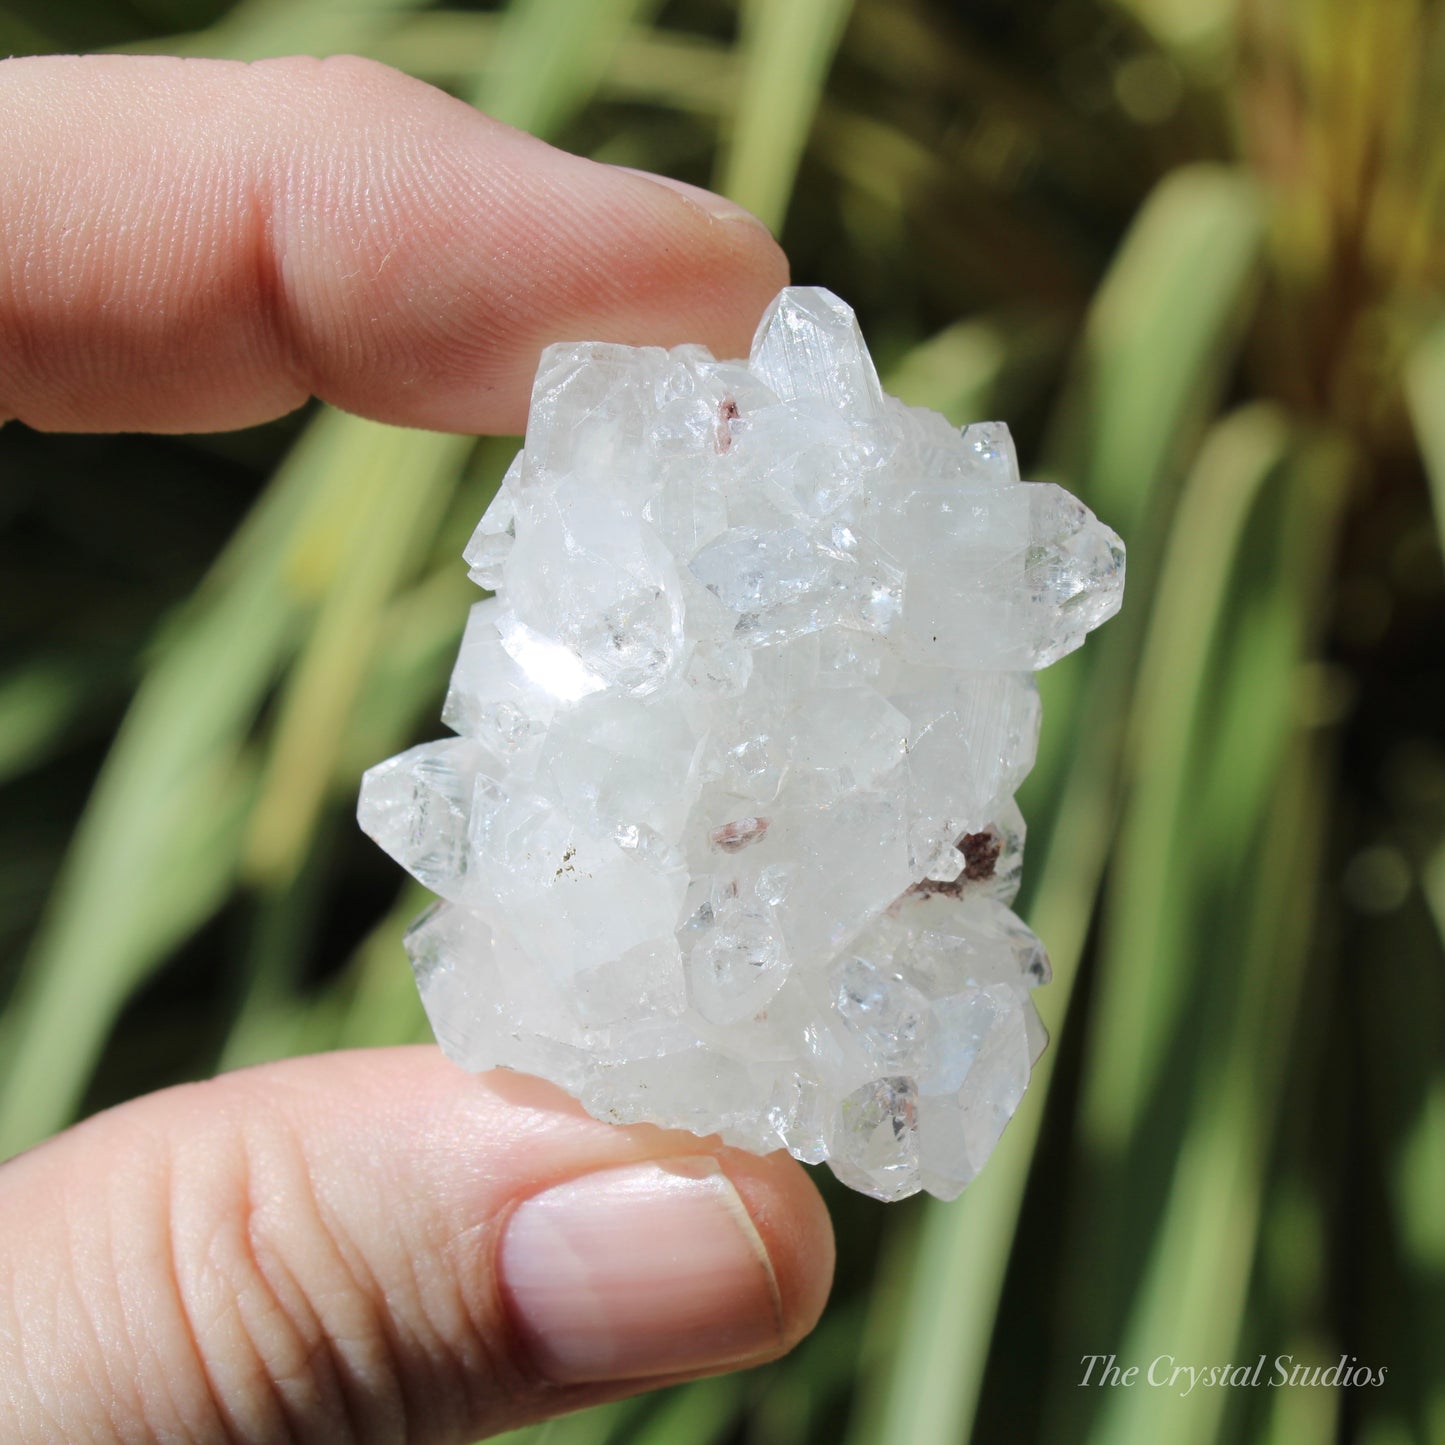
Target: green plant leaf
column 1138, row 999
column 1215, row 1110
column 551, row 56
column 1161, row 335
column 37, row 702
column 787, row 51
column 159, row 843
column 1425, row 391
column 400, row 483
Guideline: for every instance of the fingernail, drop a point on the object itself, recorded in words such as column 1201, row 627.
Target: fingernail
column 652, row 1269
column 718, row 207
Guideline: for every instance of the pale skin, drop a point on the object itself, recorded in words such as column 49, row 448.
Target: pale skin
column 366, row 1246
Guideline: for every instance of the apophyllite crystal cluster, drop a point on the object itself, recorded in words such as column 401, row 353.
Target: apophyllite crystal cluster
column 727, row 837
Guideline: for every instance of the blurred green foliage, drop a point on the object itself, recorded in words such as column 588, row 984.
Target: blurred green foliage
column 1194, row 251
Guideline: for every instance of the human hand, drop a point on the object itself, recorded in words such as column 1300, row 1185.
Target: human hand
column 364, row 1246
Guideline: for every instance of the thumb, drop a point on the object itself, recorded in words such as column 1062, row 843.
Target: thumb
column 377, row 1246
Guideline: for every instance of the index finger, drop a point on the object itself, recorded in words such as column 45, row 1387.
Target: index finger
column 191, row 245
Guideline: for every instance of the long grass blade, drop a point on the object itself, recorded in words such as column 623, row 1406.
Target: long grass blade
column 37, row 703
column 682, row 71
column 1154, row 851
column 1266, row 856
column 1425, row 390
column 956, row 372
column 932, row 1390
column 802, row 1391
column 381, row 1003
column 787, row 50
column 701, row 1413
column 550, row 57
column 1141, row 390
column 159, row 843
column 416, row 643
column 261, row 29
column 400, row 488
column 1195, row 1287
column 1228, row 770
column 1163, row 330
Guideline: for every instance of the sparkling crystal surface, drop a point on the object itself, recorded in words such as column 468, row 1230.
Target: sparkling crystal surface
column 726, row 839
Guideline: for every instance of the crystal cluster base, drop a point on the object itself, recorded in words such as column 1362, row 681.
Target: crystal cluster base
column 726, row 838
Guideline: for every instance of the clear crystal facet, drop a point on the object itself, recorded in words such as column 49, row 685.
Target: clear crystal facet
column 727, row 838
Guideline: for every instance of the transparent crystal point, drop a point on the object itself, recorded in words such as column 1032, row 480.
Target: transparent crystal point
column 958, row 1130
column 989, row 450
column 736, row 963
column 808, row 345
column 491, row 543
column 1004, row 577
column 875, row 1139
column 490, row 696
column 1075, row 567
column 418, row 807
column 885, row 1011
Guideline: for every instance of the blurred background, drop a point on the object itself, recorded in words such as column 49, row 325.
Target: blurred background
column 1194, row 252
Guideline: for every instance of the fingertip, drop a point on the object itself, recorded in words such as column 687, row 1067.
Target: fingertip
column 718, row 207
column 640, row 259
column 793, row 1223
column 663, row 1268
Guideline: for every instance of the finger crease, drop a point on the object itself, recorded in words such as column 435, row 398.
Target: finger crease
column 268, row 279
column 188, row 1319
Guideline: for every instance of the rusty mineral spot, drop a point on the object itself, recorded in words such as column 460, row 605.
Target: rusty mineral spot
column 980, row 854
column 980, row 858
column 726, row 413
column 735, row 836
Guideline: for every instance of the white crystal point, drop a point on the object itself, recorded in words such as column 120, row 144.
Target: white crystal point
column 990, row 448
column 874, row 1146
column 418, row 807
column 808, row 346
column 491, row 544
column 491, row 697
column 1004, row 576
column 736, row 961
column 727, row 835
column 600, row 582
